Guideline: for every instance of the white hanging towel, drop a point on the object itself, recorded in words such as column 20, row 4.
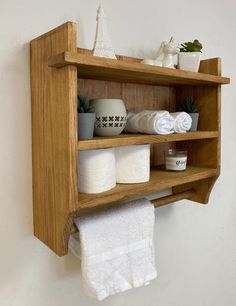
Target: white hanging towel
column 182, row 122
column 132, row 164
column 117, row 251
column 74, row 245
column 150, row 122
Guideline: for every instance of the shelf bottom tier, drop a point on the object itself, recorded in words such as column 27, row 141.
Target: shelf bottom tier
column 159, row 180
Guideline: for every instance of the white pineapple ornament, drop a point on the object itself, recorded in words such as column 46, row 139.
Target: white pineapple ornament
column 102, row 44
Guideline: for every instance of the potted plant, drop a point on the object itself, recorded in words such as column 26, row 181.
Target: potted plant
column 189, row 56
column 189, row 106
column 86, row 118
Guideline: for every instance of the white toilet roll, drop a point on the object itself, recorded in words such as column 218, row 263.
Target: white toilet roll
column 133, row 164
column 96, row 170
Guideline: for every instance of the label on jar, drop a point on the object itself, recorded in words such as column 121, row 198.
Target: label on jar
column 176, row 163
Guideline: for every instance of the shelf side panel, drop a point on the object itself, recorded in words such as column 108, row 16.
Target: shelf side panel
column 54, row 137
column 204, row 153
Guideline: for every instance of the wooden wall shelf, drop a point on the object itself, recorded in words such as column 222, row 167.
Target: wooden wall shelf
column 59, row 71
column 132, row 139
column 170, row 199
column 92, row 67
column 159, row 180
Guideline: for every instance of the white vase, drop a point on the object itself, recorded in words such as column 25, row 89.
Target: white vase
column 189, row 61
column 110, row 116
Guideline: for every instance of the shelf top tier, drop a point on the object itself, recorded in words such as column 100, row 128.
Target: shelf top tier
column 128, row 71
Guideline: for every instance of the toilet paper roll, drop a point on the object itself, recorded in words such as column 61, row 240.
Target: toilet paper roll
column 133, row 164
column 96, row 170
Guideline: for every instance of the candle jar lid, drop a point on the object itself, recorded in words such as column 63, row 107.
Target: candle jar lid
column 175, row 153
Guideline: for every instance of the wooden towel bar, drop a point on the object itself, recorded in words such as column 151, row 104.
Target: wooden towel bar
column 163, row 201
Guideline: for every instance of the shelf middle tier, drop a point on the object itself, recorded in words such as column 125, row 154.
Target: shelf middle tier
column 132, row 139
column 159, row 180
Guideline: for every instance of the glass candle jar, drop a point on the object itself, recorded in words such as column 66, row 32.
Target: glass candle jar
column 175, row 160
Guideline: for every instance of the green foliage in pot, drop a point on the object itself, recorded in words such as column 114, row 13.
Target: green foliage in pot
column 83, row 105
column 189, row 46
column 189, row 105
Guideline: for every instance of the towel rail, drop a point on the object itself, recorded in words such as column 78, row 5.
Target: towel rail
column 173, row 197
column 187, row 194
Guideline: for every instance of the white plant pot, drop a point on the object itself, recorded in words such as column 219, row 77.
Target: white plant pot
column 189, row 61
column 110, row 116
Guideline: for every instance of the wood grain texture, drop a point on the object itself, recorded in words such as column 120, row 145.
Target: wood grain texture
column 205, row 152
column 159, row 180
column 54, row 137
column 211, row 66
column 132, row 139
column 174, row 197
column 93, row 67
column 119, row 57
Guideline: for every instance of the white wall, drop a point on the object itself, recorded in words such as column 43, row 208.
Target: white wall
column 195, row 245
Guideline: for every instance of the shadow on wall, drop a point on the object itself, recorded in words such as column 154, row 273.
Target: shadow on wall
column 16, row 136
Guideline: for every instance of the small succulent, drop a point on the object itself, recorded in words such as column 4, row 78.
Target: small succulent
column 83, row 105
column 189, row 46
column 189, row 105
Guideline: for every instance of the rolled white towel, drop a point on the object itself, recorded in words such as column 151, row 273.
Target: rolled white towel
column 129, row 123
column 182, row 122
column 150, row 122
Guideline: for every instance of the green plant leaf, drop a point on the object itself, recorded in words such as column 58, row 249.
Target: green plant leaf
column 84, row 105
column 188, row 105
column 189, row 46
